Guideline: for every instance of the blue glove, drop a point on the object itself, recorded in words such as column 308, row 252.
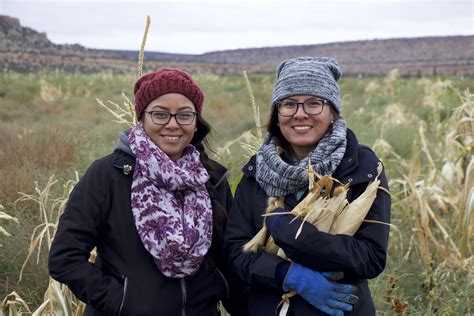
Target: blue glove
column 331, row 298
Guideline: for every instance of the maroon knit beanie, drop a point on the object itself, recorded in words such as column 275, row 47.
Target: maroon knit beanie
column 163, row 81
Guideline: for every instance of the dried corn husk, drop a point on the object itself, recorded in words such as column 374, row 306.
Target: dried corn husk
column 330, row 213
column 351, row 217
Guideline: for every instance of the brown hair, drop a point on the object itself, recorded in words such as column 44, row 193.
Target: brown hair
column 219, row 212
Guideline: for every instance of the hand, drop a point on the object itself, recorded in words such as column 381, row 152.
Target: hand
column 333, row 275
column 273, row 222
column 331, row 298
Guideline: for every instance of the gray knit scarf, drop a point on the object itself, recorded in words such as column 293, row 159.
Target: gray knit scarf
column 279, row 178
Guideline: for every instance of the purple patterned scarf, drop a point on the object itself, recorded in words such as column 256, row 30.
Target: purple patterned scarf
column 171, row 206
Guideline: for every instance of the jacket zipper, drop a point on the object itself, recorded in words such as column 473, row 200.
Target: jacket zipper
column 125, row 286
column 183, row 291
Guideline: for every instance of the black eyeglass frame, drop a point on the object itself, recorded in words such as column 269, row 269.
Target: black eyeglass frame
column 303, row 105
column 170, row 115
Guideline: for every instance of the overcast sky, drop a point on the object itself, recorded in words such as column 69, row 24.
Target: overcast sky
column 196, row 27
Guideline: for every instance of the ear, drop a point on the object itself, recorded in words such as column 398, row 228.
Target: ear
column 333, row 117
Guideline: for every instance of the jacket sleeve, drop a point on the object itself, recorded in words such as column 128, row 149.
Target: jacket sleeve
column 255, row 269
column 236, row 301
column 363, row 254
column 78, row 233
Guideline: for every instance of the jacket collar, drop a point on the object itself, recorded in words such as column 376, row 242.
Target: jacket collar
column 359, row 164
column 250, row 166
column 350, row 161
column 124, row 162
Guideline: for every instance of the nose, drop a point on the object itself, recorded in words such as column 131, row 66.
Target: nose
column 173, row 123
column 300, row 113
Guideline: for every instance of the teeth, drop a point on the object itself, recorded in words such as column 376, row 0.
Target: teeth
column 171, row 137
column 300, row 128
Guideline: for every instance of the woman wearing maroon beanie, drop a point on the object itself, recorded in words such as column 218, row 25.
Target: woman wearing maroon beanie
column 155, row 210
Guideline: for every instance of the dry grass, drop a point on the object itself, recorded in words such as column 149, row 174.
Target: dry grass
column 123, row 113
column 26, row 152
column 5, row 217
column 58, row 299
column 142, row 48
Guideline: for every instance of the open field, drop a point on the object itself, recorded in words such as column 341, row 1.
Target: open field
column 422, row 128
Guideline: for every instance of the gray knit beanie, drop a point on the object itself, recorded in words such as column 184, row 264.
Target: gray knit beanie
column 315, row 76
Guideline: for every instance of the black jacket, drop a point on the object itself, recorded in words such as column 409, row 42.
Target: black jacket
column 360, row 257
column 124, row 279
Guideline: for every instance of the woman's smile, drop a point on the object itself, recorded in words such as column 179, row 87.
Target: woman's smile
column 302, row 128
column 171, row 138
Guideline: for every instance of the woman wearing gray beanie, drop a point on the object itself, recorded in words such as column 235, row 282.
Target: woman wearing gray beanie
column 306, row 125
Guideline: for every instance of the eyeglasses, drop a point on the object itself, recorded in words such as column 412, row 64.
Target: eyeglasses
column 310, row 106
column 163, row 117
